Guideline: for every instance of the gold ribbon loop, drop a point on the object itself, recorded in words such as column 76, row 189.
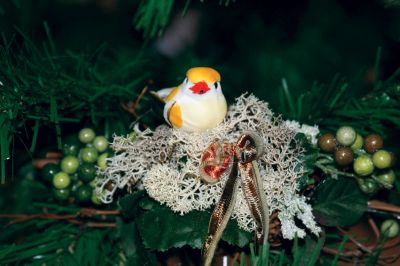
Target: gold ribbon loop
column 236, row 160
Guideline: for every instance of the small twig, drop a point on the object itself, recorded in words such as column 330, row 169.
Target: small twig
column 84, row 212
column 236, row 257
column 355, row 241
column 362, row 250
column 139, row 98
column 383, row 206
column 375, row 228
column 131, row 107
column 90, row 212
column 101, row 225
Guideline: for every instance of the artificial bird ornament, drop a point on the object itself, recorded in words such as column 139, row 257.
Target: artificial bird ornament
column 198, row 103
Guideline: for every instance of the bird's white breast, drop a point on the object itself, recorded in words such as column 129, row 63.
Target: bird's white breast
column 202, row 113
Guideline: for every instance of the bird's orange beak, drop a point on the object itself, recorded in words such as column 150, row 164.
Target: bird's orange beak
column 200, row 87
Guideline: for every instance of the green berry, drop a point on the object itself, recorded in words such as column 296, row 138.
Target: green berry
column 70, row 149
column 74, row 176
column 69, row 164
column 390, row 228
column 84, row 193
column 95, row 199
column 87, row 172
column 92, row 183
column 387, row 177
column 89, row 154
column 61, row 194
column 346, row 135
column 101, row 161
column 358, row 143
column 370, row 186
column 100, row 143
column 382, row 159
column 61, row 180
column 75, row 185
column 49, row 170
column 363, row 165
column 86, row 135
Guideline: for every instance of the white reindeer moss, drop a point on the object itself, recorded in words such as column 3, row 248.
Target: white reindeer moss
column 165, row 162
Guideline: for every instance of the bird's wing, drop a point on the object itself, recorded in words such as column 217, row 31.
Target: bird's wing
column 166, row 94
column 174, row 115
column 163, row 93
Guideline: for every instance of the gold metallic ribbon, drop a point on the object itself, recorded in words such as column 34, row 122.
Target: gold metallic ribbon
column 237, row 161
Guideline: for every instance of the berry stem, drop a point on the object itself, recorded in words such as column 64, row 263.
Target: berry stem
column 325, row 156
column 385, row 185
column 327, row 168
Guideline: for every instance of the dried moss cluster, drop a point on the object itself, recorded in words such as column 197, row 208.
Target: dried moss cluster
column 166, row 163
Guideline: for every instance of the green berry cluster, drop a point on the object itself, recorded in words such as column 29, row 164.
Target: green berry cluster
column 73, row 177
column 364, row 156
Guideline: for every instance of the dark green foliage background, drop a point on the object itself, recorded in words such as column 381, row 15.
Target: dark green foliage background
column 325, row 51
column 66, row 64
column 254, row 45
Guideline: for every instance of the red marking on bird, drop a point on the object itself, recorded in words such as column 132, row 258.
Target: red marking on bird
column 200, row 88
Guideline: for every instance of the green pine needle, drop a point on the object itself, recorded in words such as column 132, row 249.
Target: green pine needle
column 340, row 250
column 152, row 16
column 41, row 87
column 335, row 107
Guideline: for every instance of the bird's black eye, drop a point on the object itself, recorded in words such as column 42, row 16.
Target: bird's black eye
column 216, row 85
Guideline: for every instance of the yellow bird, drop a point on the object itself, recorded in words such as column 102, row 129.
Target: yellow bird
column 198, row 103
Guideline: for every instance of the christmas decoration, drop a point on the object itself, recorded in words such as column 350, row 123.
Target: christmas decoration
column 367, row 169
column 198, row 103
column 167, row 163
column 327, row 187
column 72, row 177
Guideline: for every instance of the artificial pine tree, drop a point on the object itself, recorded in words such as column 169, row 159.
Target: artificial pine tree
column 76, row 75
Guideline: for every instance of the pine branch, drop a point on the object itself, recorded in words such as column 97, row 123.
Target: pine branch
column 41, row 87
column 65, row 233
column 152, row 16
column 332, row 106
